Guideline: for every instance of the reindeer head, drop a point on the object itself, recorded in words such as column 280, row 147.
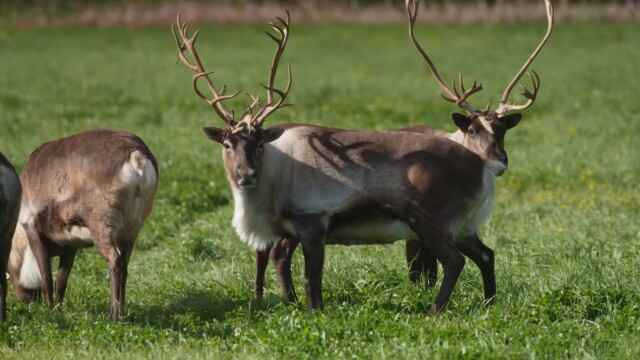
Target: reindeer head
column 483, row 131
column 243, row 140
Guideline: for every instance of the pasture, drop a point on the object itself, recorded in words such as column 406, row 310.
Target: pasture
column 565, row 228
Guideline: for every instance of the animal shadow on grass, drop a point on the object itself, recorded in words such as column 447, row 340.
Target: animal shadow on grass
column 354, row 296
column 194, row 311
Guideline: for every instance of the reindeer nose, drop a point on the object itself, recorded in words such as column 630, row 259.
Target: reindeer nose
column 247, row 177
column 247, row 174
column 498, row 154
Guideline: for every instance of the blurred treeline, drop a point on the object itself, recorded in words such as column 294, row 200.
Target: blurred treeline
column 62, row 5
column 145, row 13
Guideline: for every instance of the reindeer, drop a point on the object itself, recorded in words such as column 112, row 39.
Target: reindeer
column 10, row 195
column 422, row 264
column 94, row 188
column 318, row 185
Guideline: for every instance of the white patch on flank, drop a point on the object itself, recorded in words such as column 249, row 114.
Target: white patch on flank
column 30, row 272
column 138, row 172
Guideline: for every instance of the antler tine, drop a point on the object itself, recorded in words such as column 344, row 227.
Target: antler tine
column 282, row 43
column 531, row 96
column 188, row 44
column 452, row 96
column 504, row 107
column 270, row 107
column 248, row 113
column 465, row 93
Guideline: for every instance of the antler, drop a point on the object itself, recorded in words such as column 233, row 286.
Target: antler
column 188, row 44
column 248, row 120
column 531, row 96
column 270, row 107
column 452, row 96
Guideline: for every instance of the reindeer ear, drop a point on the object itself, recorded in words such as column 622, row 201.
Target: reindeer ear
column 214, row 133
column 272, row 134
column 511, row 120
column 462, row 121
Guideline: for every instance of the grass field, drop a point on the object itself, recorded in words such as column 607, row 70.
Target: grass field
column 566, row 227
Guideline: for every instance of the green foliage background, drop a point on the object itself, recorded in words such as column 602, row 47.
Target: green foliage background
column 565, row 228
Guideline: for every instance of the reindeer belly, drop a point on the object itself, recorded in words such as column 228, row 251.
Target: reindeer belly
column 373, row 231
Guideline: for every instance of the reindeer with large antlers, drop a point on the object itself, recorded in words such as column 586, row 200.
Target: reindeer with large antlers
column 422, row 264
column 317, row 185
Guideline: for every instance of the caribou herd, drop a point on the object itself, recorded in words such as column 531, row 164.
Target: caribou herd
column 292, row 184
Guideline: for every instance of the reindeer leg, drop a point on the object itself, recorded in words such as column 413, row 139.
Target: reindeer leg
column 430, row 266
column 452, row 263
column 4, row 258
column 104, row 241
column 24, row 295
column 262, row 260
column 3, row 297
column 312, row 232
column 281, row 257
column 483, row 257
column 421, row 262
column 64, row 269
column 43, row 257
column 412, row 253
column 125, row 252
column 313, row 265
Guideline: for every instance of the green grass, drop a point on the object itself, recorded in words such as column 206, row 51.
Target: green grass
column 565, row 229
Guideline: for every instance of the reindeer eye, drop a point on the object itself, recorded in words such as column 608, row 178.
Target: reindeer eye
column 471, row 132
column 227, row 145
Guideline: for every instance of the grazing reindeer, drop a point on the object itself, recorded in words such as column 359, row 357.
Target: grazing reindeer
column 320, row 186
column 93, row 188
column 421, row 261
column 10, row 195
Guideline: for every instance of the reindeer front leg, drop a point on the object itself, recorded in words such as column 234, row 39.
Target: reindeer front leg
column 262, row 260
column 281, row 256
column 312, row 232
column 64, row 269
column 43, row 258
column 422, row 263
column 473, row 248
column 313, row 265
column 442, row 246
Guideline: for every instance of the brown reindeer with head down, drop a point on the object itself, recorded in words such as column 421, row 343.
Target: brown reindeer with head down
column 10, row 195
column 316, row 185
column 95, row 188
